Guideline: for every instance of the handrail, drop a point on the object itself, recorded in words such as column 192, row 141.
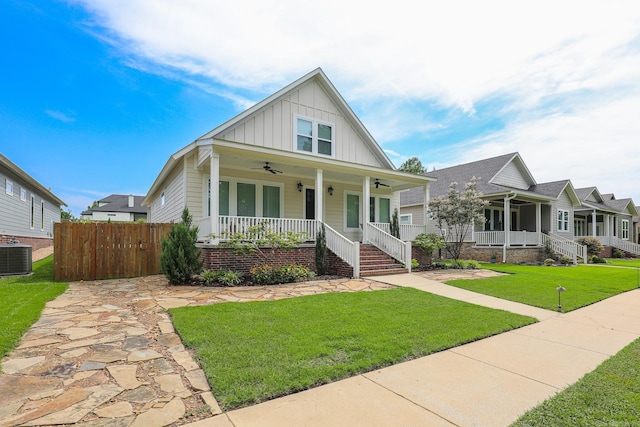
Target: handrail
column 408, row 232
column 566, row 247
column 625, row 245
column 344, row 248
column 394, row 247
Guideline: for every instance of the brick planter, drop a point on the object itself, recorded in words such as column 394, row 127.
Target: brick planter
column 217, row 258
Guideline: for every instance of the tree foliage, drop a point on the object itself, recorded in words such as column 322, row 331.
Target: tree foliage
column 262, row 240
column 180, row 259
column 66, row 215
column 457, row 213
column 429, row 242
column 594, row 247
column 412, row 165
column 394, row 227
column 321, row 252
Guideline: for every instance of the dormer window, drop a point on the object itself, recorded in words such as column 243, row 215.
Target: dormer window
column 314, row 137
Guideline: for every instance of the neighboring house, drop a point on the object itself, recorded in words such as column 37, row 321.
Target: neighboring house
column 636, row 227
column 117, row 208
column 28, row 209
column 534, row 212
column 608, row 219
column 299, row 158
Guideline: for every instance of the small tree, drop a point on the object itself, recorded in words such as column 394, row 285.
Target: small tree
column 459, row 211
column 260, row 239
column 412, row 165
column 429, row 242
column 321, row 252
column 394, row 227
column 180, row 259
column 594, row 247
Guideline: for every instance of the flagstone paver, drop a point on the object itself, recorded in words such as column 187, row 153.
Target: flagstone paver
column 105, row 353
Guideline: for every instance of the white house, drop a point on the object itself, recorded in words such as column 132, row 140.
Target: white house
column 299, row 158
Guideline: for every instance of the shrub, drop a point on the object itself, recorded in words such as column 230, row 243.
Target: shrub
column 439, row 264
column 414, row 263
column 210, row 276
column 458, row 264
column 429, row 242
column 594, row 247
column 548, row 262
column 617, row 253
column 473, row 264
column 595, row 259
column 321, row 252
column 180, row 259
column 565, row 260
column 548, row 250
column 267, row 274
column 394, row 227
column 229, row 278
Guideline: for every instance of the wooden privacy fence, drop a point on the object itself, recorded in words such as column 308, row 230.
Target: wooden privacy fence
column 94, row 251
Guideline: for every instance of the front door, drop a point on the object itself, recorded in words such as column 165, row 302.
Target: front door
column 310, row 203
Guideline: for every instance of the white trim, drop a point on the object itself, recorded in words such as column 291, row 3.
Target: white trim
column 233, row 193
column 42, row 213
column 624, row 233
column 23, row 194
column 32, row 213
column 8, row 186
column 410, row 216
column 562, row 223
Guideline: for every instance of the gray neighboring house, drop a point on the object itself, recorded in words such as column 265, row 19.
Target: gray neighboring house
column 117, row 208
column 536, row 212
column 636, row 226
column 28, row 209
column 613, row 219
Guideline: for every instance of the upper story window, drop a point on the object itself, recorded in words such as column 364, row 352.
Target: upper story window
column 162, row 199
column 23, row 194
column 315, row 137
column 8, row 187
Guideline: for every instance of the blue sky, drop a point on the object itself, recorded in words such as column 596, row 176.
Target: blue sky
column 95, row 95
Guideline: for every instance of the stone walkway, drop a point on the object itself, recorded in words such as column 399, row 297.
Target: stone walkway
column 105, row 354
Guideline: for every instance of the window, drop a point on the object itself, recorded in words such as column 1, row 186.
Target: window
column 494, row 219
column 223, row 208
column 23, row 194
column 405, row 219
column 379, row 209
column 246, row 202
column 270, row 202
column 563, row 220
column 41, row 215
column 32, row 212
column 8, row 187
column 162, row 199
column 353, row 210
column 624, row 226
column 314, row 137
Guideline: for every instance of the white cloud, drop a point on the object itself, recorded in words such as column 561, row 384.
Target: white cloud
column 567, row 74
column 60, row 116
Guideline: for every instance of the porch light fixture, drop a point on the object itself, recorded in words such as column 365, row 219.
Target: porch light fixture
column 560, row 289
column 330, row 190
column 300, row 186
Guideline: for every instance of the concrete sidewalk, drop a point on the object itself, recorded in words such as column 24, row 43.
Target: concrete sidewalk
column 485, row 383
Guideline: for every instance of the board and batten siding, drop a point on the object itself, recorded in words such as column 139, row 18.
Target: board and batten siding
column 511, row 176
column 274, row 126
column 174, row 196
column 15, row 214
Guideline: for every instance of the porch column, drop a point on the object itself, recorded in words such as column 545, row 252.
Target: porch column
column 365, row 207
column 507, row 226
column 426, row 206
column 607, row 227
column 214, row 203
column 593, row 224
column 539, row 222
column 319, row 195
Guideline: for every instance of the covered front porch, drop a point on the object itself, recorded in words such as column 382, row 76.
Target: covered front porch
column 291, row 192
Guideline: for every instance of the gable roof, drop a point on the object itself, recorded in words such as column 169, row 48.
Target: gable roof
column 118, row 203
column 556, row 188
column 321, row 78
column 42, row 190
column 604, row 202
column 486, row 171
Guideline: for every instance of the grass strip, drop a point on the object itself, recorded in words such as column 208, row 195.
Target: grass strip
column 255, row 351
column 608, row 396
column 536, row 285
column 22, row 299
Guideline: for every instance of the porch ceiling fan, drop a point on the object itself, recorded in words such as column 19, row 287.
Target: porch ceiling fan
column 377, row 183
column 268, row 168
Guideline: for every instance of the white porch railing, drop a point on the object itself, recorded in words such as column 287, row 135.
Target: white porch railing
column 516, row 238
column 344, row 248
column 384, row 241
column 566, row 247
column 229, row 225
column 489, row 238
column 204, row 228
column 625, row 245
column 408, row 232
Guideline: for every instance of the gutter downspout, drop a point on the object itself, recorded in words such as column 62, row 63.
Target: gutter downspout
column 507, row 225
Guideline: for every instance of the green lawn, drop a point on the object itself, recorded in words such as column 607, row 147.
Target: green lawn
column 624, row 262
column 608, row 396
column 22, row 299
column 536, row 285
column 256, row 351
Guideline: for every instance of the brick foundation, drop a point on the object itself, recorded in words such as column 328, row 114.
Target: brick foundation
column 216, row 258
column 35, row 242
column 421, row 256
column 337, row 267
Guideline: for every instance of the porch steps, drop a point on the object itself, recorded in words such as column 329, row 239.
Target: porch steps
column 374, row 262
